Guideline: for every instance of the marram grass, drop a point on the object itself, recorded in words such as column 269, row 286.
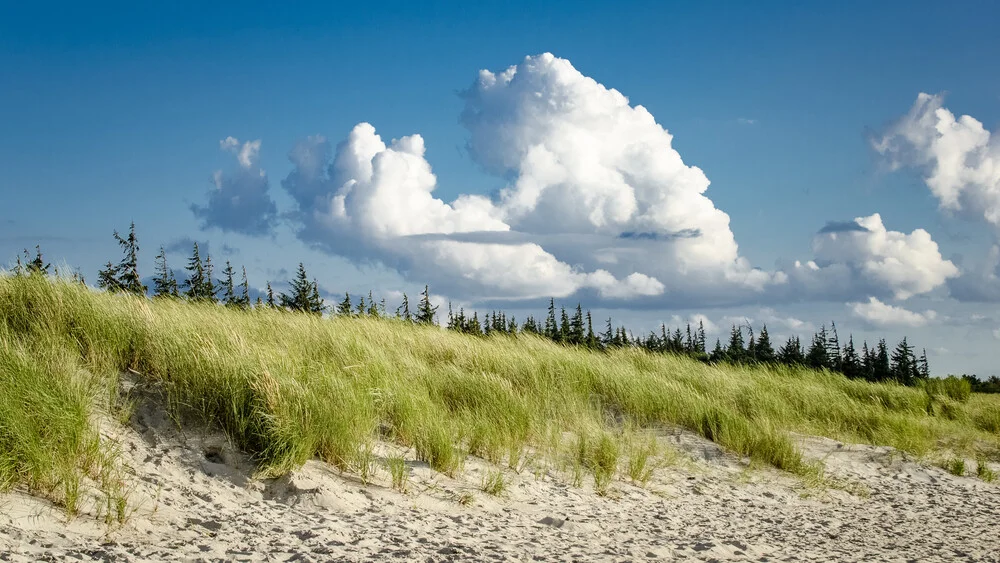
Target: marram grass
column 289, row 387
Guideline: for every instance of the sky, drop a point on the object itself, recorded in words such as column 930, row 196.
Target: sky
column 778, row 163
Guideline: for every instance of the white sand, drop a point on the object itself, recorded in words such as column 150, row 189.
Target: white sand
column 707, row 506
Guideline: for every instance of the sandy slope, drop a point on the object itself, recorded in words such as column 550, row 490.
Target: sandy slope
column 196, row 502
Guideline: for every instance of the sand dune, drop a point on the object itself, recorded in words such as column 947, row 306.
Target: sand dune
column 195, row 499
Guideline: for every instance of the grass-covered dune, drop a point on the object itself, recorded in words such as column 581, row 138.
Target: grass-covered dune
column 288, row 387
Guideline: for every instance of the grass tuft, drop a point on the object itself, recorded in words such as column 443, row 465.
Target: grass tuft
column 288, row 387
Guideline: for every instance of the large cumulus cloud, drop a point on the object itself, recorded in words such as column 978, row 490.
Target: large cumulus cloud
column 960, row 157
column 864, row 256
column 596, row 198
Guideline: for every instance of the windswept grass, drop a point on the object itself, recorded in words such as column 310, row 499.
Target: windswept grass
column 289, row 387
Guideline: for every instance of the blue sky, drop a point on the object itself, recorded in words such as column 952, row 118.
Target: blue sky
column 112, row 112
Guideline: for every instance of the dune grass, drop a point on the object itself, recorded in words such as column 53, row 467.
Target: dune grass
column 289, row 387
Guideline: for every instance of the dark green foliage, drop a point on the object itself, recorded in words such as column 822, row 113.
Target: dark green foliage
column 304, row 296
column 164, row 284
column 198, row 286
column 791, row 352
column 229, row 285
column 36, row 265
column 344, row 307
column 425, row 312
column 403, row 312
column 764, row 351
column 270, row 296
column 818, row 356
column 128, row 268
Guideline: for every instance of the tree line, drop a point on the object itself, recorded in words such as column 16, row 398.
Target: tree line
column 744, row 346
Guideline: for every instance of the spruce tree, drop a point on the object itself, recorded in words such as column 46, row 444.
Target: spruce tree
column 372, row 306
column 833, row 349
column 790, row 353
column 764, row 352
column 229, row 285
column 718, row 354
column 36, row 265
column 902, row 366
column 107, row 278
column 270, row 296
column 209, row 289
column 244, row 297
column 195, row 283
column 404, row 310
column 735, row 351
column 316, row 304
column 700, row 342
column 128, row 268
column 817, row 356
column 851, row 365
column 300, row 297
column 551, row 325
column 564, row 328
column 164, row 284
column 425, row 312
column 882, row 370
column 924, row 370
column 591, row 340
column 344, row 307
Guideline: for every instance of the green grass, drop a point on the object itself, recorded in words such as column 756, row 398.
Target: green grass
column 290, row 387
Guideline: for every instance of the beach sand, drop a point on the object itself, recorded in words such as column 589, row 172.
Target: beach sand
column 194, row 499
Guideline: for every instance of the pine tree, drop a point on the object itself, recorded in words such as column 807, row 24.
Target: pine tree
column 882, row 371
column 607, row 339
column 851, row 365
column 867, row 362
column 790, row 353
column 564, row 328
column 735, row 351
column 764, row 352
column 107, row 278
column 718, row 354
column 902, row 366
column 924, row 370
column 425, row 312
column 404, row 310
column 270, row 296
column 128, row 268
column 316, row 305
column 689, row 341
column 551, row 326
column 301, row 296
column 195, row 283
column 700, row 342
column 209, row 290
column 244, row 298
column 229, row 285
column 164, row 284
column 474, row 327
column 833, row 349
column 344, row 307
column 36, row 265
column 817, row 356
column 372, row 306
column 591, row 340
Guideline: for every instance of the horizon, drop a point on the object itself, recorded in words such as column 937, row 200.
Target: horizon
column 689, row 164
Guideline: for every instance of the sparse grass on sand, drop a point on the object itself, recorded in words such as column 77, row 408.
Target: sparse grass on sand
column 288, row 387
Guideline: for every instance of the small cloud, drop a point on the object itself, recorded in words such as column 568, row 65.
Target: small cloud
column 682, row 234
column 843, row 227
column 996, row 334
column 184, row 245
column 879, row 314
column 746, row 121
column 239, row 201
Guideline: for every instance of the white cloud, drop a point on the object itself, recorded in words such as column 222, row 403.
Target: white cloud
column 981, row 283
column 961, row 158
column 240, row 202
column 880, row 314
column 598, row 199
column 870, row 257
column 996, row 334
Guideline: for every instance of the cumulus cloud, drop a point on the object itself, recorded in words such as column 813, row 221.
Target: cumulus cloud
column 981, row 284
column 596, row 199
column 239, row 201
column 863, row 255
column 961, row 159
column 879, row 314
